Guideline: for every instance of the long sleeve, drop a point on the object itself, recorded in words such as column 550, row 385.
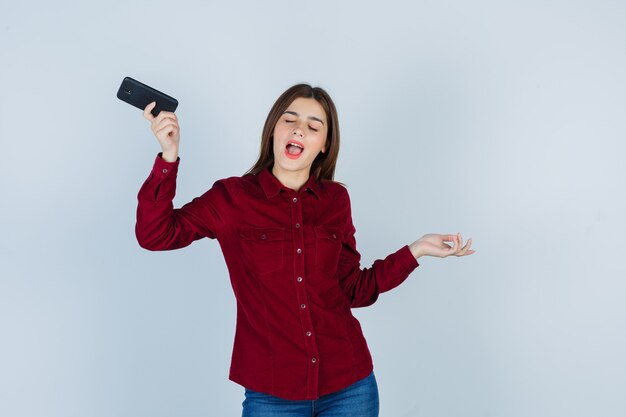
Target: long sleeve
column 363, row 285
column 161, row 227
column 294, row 270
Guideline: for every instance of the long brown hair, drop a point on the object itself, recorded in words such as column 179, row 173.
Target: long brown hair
column 323, row 166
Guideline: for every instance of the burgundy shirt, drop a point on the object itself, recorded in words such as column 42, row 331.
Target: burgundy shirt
column 294, row 269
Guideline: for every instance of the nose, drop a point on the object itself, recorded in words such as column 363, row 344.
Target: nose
column 297, row 131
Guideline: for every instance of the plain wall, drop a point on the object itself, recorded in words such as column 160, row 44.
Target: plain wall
column 501, row 120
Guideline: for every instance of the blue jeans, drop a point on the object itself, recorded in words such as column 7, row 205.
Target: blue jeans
column 357, row 400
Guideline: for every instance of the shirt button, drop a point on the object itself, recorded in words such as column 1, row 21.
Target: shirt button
column 299, row 251
column 295, row 200
column 165, row 170
column 297, row 225
column 302, row 305
column 299, row 279
column 334, row 236
column 308, row 334
column 313, row 360
column 263, row 236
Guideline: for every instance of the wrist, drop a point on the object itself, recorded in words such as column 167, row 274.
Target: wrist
column 416, row 250
column 169, row 156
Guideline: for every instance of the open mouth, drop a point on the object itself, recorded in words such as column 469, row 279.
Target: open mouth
column 294, row 149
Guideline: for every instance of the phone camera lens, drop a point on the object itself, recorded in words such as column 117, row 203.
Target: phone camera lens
column 127, row 91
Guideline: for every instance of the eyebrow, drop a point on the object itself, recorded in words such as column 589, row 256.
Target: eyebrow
column 310, row 117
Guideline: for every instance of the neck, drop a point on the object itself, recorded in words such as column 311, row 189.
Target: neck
column 291, row 179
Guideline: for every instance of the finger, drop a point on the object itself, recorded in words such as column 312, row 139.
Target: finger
column 167, row 125
column 159, row 125
column 147, row 111
column 467, row 245
column 463, row 251
column 168, row 114
column 451, row 250
column 166, row 131
column 466, row 250
column 461, row 247
column 163, row 116
column 447, row 238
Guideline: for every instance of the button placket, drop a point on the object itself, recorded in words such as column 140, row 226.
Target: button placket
column 298, row 232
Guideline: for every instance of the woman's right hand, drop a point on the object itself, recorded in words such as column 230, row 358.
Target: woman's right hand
column 165, row 128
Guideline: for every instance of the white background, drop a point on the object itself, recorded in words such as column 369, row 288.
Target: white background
column 501, row 120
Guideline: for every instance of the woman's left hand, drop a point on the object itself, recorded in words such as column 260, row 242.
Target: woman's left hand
column 435, row 245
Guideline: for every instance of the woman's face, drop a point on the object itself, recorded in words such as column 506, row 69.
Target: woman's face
column 299, row 136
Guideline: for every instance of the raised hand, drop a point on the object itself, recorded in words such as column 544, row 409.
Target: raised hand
column 167, row 131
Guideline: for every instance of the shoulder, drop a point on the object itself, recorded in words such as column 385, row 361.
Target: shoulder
column 335, row 190
column 246, row 184
column 229, row 182
column 224, row 188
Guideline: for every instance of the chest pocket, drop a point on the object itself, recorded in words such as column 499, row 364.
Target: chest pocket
column 327, row 249
column 263, row 248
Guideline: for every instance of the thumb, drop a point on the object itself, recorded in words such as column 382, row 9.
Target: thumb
column 148, row 109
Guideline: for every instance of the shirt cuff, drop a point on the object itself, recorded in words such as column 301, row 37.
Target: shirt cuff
column 164, row 168
column 406, row 260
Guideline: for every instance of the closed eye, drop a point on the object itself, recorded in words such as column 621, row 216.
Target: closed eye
column 313, row 129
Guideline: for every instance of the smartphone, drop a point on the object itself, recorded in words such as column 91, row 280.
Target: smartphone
column 140, row 95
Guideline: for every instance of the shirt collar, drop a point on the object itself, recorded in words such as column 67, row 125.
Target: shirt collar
column 271, row 186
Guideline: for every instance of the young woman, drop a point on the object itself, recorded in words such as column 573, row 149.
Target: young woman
column 286, row 233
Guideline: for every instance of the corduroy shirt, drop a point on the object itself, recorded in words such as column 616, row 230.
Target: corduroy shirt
column 294, row 269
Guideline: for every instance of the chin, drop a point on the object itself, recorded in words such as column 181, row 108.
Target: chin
column 292, row 166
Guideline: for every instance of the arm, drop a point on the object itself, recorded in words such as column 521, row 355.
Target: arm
column 159, row 226
column 363, row 285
